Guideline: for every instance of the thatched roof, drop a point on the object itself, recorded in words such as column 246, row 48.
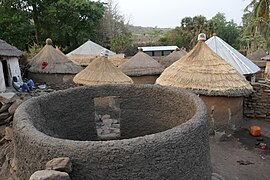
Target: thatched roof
column 242, row 64
column 57, row 62
column 9, row 50
column 141, row 64
column 206, row 73
column 257, row 55
column 172, row 57
column 267, row 58
column 101, row 71
column 117, row 59
column 87, row 52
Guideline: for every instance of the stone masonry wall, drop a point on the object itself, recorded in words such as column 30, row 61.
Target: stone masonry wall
column 257, row 105
column 164, row 134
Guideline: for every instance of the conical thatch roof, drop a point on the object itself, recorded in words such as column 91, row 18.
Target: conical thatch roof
column 57, row 62
column 242, row 64
column 141, row 64
column 172, row 57
column 9, row 50
column 87, row 52
column 257, row 55
column 206, row 73
column 101, row 71
column 267, row 58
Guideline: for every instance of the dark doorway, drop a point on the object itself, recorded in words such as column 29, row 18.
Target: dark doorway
column 5, row 71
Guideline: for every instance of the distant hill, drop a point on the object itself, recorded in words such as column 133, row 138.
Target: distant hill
column 147, row 30
column 147, row 35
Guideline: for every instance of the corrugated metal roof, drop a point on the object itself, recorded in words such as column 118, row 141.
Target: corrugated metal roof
column 89, row 48
column 158, row 48
column 242, row 64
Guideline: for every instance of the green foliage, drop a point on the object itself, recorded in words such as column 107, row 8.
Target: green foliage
column 121, row 43
column 68, row 22
column 186, row 34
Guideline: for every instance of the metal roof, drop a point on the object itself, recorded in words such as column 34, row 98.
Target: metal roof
column 89, row 48
column 158, row 48
column 242, row 64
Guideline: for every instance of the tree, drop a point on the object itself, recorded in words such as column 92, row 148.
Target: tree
column 121, row 43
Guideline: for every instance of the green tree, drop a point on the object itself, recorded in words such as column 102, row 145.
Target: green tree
column 121, row 43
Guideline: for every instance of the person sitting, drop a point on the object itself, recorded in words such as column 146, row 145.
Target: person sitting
column 19, row 85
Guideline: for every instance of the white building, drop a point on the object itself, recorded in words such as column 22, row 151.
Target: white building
column 9, row 64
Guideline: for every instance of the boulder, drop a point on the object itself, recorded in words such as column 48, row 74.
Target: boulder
column 49, row 175
column 14, row 106
column 4, row 115
column 60, row 164
column 5, row 107
column 7, row 97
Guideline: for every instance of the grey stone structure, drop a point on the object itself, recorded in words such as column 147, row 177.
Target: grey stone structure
column 164, row 134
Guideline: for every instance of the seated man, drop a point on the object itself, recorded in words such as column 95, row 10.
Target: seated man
column 19, row 85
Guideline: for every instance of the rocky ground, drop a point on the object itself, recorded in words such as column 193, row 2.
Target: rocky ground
column 234, row 156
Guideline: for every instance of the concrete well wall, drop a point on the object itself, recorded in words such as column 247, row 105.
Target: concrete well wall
column 225, row 113
column 164, row 134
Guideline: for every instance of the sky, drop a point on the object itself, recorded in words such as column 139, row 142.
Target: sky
column 168, row 13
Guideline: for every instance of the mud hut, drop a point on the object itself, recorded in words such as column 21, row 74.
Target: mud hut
column 86, row 53
column 52, row 66
column 218, row 84
column 142, row 68
column 101, row 71
column 242, row 64
column 172, row 57
column 256, row 58
column 9, row 64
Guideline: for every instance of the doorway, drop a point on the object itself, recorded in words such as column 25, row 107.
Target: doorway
column 5, row 71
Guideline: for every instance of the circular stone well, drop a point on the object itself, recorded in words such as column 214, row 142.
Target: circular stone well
column 164, row 134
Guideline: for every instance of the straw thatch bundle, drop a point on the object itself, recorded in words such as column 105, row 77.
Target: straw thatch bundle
column 141, row 64
column 204, row 72
column 101, row 71
column 9, row 50
column 56, row 62
column 117, row 59
column 257, row 55
column 172, row 57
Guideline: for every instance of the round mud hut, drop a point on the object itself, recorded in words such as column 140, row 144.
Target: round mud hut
column 52, row 66
column 219, row 85
column 167, row 140
column 142, row 68
column 101, row 71
column 172, row 57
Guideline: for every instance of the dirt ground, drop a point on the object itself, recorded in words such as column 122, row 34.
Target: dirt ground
column 237, row 157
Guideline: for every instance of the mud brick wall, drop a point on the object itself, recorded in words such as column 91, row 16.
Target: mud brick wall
column 164, row 134
column 257, row 105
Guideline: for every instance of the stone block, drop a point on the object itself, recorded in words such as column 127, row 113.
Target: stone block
column 60, row 164
column 49, row 175
column 14, row 106
column 7, row 97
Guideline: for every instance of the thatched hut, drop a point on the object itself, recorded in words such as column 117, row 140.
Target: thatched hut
column 256, row 58
column 172, row 57
column 142, row 68
column 52, row 66
column 9, row 65
column 101, row 71
column 219, row 85
column 242, row 64
column 86, row 53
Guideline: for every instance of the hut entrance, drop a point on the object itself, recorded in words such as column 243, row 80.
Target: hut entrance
column 107, row 117
column 5, row 71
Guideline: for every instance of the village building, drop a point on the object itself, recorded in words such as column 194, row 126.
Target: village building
column 158, row 50
column 52, row 66
column 9, row 64
column 242, row 64
column 86, row 53
column 142, row 68
column 218, row 84
column 172, row 57
column 101, row 71
column 256, row 58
